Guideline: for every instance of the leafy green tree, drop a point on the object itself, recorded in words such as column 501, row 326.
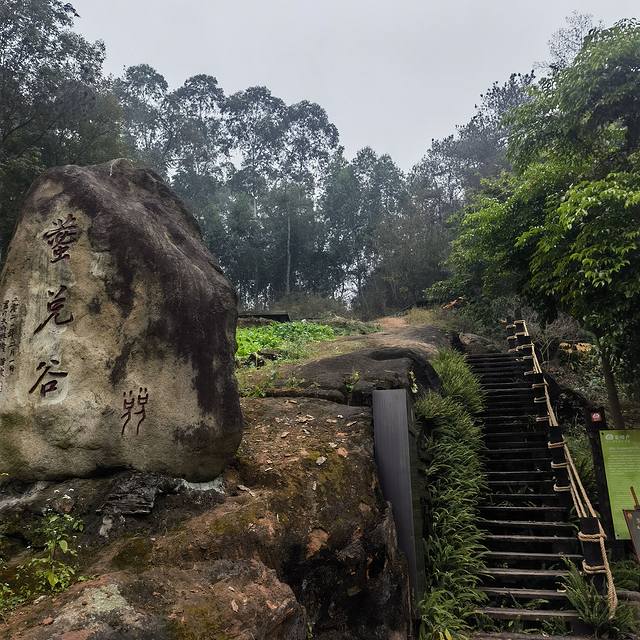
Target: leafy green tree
column 564, row 229
column 309, row 140
column 256, row 121
column 55, row 105
column 174, row 131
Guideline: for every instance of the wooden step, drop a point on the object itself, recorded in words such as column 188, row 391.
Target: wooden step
column 543, row 464
column 526, row 524
column 526, row 573
column 527, row 615
column 523, row 594
column 511, row 451
column 519, row 484
column 518, row 510
column 534, row 476
column 491, row 539
column 510, row 635
column 506, row 418
column 539, row 499
column 516, row 556
column 489, row 387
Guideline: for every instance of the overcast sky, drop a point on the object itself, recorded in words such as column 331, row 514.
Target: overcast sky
column 391, row 74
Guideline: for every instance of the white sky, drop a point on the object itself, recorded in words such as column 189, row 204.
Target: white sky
column 391, row 74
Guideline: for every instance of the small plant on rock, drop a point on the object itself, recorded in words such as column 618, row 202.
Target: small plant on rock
column 51, row 573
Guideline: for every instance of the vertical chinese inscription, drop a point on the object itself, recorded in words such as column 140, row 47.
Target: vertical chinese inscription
column 49, row 385
column 8, row 337
column 129, row 404
column 61, row 237
column 54, row 309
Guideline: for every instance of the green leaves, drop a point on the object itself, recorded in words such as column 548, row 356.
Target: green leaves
column 565, row 230
column 273, row 336
column 453, row 549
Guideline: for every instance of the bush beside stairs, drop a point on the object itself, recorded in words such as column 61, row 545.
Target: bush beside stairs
column 528, row 532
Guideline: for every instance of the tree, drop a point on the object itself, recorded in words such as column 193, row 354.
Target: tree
column 565, row 227
column 309, row 140
column 55, row 105
column 174, row 131
column 256, row 121
column 565, row 43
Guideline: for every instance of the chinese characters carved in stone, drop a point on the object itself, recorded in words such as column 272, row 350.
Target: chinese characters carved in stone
column 51, row 385
column 129, row 403
column 61, row 237
column 54, row 309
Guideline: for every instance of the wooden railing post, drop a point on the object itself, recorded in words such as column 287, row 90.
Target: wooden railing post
column 592, row 551
column 556, row 440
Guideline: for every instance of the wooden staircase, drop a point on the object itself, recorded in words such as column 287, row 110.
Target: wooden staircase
column 528, row 532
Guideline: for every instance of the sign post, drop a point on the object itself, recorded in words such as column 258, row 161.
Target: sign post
column 632, row 518
column 596, row 426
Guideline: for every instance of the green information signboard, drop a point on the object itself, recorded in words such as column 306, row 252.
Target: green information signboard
column 621, row 453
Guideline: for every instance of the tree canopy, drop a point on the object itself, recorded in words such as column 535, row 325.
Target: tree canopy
column 564, row 228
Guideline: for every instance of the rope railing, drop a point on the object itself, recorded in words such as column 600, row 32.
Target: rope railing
column 567, row 477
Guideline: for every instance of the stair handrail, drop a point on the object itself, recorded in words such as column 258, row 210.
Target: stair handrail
column 518, row 333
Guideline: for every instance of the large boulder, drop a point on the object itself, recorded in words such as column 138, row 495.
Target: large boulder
column 117, row 333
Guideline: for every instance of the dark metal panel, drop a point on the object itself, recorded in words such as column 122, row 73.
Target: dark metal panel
column 396, row 456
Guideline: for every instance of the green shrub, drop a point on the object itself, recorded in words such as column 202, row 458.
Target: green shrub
column 580, row 449
column 453, row 549
column 275, row 335
column 626, row 574
column 458, row 383
column 593, row 607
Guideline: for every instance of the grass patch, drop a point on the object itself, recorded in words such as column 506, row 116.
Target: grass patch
column 458, row 383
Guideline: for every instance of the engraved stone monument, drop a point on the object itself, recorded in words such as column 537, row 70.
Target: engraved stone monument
column 117, row 333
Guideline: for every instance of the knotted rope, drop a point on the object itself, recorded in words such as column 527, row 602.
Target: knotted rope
column 575, row 486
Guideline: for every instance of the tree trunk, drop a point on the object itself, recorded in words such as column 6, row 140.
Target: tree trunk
column 287, row 288
column 610, row 386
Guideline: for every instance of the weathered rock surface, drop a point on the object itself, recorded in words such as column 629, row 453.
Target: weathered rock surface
column 472, row 343
column 351, row 378
column 117, row 333
column 294, row 535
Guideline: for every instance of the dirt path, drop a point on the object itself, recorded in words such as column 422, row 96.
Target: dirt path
column 391, row 322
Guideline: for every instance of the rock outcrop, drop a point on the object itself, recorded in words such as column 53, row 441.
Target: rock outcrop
column 294, row 538
column 117, row 333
